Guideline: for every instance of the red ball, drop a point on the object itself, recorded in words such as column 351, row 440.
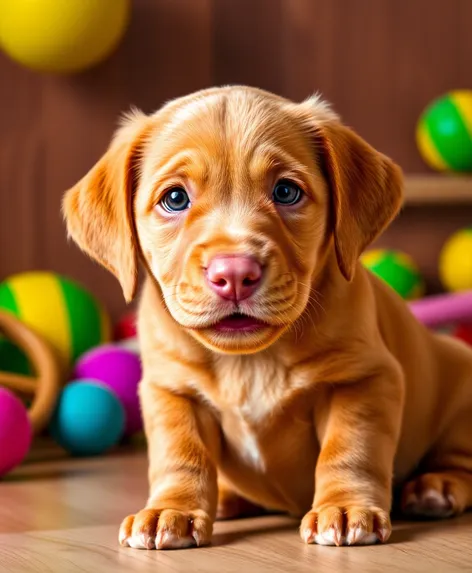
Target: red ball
column 126, row 327
column 464, row 332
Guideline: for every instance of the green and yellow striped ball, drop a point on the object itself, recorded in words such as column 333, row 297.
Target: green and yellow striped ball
column 60, row 310
column 396, row 269
column 444, row 132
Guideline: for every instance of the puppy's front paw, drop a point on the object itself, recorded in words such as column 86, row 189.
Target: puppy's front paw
column 166, row 529
column 350, row 525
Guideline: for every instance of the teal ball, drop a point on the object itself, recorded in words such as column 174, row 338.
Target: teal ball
column 89, row 418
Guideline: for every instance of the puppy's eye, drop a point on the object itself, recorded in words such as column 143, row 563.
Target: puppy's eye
column 176, row 199
column 286, row 193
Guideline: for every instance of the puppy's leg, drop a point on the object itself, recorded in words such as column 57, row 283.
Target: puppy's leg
column 231, row 505
column 446, row 489
column 183, row 446
column 353, row 477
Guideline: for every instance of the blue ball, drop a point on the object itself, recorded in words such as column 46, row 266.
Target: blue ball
column 89, row 418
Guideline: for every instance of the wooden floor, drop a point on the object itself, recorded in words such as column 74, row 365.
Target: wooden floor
column 63, row 515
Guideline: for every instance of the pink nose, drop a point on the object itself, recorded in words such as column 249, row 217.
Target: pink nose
column 234, row 278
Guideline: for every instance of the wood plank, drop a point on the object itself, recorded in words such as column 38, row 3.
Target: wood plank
column 248, row 43
column 438, row 189
column 21, row 171
column 421, row 66
column 62, row 516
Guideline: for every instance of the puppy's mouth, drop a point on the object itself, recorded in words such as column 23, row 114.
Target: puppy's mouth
column 238, row 333
column 238, row 323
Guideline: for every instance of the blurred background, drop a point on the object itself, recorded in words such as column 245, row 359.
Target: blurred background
column 380, row 62
column 397, row 71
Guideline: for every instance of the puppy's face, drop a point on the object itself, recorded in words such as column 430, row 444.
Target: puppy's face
column 235, row 197
column 231, row 214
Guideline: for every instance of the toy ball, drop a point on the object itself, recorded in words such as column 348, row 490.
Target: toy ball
column 444, row 132
column 455, row 261
column 89, row 418
column 61, row 311
column 61, row 35
column 397, row 269
column 15, row 431
column 464, row 333
column 119, row 369
column 126, row 327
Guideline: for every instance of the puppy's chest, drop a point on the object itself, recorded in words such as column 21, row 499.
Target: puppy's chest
column 254, row 388
column 253, row 397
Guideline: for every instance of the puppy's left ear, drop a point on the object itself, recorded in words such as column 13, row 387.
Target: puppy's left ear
column 99, row 208
column 366, row 191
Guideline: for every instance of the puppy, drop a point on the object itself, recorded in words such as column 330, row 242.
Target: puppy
column 278, row 373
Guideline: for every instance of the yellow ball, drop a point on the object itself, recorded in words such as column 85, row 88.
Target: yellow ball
column 61, row 35
column 455, row 261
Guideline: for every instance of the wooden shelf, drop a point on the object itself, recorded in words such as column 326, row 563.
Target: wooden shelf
column 438, row 189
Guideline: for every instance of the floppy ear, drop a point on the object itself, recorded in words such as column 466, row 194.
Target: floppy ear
column 99, row 209
column 366, row 191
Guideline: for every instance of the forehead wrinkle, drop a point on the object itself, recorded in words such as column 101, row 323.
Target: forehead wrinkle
column 188, row 164
column 254, row 120
column 199, row 130
column 269, row 158
column 200, row 125
column 203, row 111
column 264, row 135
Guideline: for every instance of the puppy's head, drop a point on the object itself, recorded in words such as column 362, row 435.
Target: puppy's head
column 234, row 198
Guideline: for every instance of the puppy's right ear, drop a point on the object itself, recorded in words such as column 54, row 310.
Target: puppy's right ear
column 366, row 191
column 99, row 209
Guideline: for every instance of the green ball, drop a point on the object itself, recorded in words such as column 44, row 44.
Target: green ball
column 444, row 132
column 397, row 269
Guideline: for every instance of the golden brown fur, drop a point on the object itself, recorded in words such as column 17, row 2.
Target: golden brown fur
column 342, row 389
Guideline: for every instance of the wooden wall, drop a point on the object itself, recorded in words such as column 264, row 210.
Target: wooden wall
column 379, row 61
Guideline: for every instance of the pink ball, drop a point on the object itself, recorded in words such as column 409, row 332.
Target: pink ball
column 15, row 431
column 120, row 369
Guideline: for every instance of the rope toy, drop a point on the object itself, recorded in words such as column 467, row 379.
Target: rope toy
column 45, row 385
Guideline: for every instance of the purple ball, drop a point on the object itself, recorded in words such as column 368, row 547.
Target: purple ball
column 15, row 431
column 120, row 370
